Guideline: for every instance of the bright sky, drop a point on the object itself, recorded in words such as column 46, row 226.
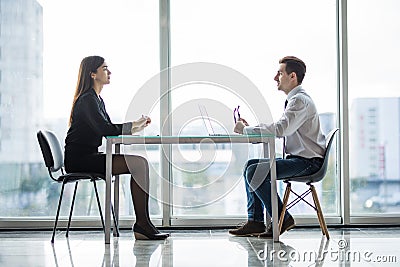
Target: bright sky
column 76, row 29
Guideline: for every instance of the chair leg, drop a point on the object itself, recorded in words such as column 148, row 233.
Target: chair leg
column 285, row 201
column 320, row 215
column 71, row 209
column 98, row 204
column 58, row 212
column 115, row 221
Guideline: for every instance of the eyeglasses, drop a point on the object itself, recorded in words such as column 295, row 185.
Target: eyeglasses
column 236, row 114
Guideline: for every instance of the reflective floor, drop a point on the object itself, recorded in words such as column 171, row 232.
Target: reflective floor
column 298, row 247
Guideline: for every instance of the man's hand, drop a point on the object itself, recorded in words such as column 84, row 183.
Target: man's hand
column 240, row 126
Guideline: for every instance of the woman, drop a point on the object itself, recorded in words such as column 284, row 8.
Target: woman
column 89, row 122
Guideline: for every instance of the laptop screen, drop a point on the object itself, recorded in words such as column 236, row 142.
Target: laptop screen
column 206, row 119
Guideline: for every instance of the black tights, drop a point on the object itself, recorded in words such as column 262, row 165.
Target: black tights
column 138, row 167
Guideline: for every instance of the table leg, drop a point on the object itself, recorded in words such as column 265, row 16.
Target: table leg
column 116, row 196
column 107, row 205
column 274, row 191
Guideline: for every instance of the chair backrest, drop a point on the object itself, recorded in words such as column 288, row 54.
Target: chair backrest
column 51, row 150
column 329, row 139
column 320, row 174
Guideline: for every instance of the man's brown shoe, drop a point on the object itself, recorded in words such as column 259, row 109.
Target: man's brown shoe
column 286, row 226
column 250, row 228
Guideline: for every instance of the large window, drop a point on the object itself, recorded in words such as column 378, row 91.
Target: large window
column 231, row 49
column 249, row 38
column 43, row 43
column 374, row 106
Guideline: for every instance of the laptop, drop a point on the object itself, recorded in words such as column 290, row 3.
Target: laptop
column 208, row 124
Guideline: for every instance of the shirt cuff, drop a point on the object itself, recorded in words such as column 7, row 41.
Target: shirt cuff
column 126, row 128
column 248, row 130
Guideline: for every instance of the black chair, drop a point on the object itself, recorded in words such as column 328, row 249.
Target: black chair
column 54, row 161
column 309, row 180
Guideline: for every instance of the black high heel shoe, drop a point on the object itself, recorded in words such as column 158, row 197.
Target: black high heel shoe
column 141, row 234
column 158, row 232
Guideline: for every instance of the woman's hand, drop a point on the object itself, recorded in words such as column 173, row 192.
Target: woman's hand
column 140, row 124
column 148, row 120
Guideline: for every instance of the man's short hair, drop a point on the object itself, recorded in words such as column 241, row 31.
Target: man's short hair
column 296, row 65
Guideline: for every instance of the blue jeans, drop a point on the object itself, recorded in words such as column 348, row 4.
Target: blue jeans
column 258, row 182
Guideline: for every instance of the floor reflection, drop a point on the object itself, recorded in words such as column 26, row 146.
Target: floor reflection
column 69, row 253
column 149, row 253
column 264, row 251
column 300, row 247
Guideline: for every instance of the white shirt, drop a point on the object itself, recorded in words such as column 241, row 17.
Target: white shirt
column 299, row 123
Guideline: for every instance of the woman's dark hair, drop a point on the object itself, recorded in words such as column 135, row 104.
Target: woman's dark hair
column 88, row 66
column 296, row 65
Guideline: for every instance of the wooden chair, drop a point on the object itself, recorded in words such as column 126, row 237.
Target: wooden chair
column 309, row 180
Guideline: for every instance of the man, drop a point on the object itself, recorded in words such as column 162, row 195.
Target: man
column 304, row 146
